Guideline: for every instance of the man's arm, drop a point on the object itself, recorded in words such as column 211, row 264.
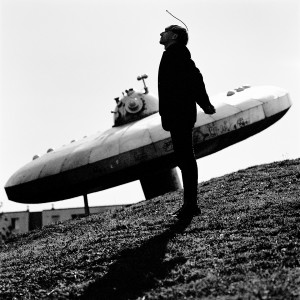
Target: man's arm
column 199, row 90
column 210, row 109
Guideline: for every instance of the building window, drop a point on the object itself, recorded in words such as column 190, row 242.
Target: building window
column 76, row 216
column 55, row 218
column 15, row 223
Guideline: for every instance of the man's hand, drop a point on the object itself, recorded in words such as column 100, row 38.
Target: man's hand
column 210, row 110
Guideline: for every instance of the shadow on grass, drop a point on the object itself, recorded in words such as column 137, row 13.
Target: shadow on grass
column 137, row 270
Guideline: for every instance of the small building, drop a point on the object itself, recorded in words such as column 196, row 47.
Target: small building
column 4, row 227
column 24, row 221
column 18, row 222
column 60, row 215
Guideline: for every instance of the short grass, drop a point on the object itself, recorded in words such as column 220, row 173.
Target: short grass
column 245, row 245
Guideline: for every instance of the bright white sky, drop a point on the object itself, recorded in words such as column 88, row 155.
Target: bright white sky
column 64, row 61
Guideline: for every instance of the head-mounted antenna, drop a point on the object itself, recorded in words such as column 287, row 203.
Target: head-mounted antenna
column 178, row 20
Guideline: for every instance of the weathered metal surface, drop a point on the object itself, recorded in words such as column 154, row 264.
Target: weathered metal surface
column 131, row 151
column 134, row 106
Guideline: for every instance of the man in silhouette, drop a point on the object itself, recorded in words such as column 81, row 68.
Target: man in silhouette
column 180, row 87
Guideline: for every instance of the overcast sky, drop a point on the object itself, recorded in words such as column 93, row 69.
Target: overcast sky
column 64, row 61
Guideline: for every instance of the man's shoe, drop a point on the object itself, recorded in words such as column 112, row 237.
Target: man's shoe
column 187, row 211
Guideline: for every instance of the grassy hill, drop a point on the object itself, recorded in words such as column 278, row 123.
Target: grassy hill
column 245, row 245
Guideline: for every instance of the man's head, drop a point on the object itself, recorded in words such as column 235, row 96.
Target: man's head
column 174, row 34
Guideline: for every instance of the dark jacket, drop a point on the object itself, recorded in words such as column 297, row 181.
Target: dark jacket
column 180, row 87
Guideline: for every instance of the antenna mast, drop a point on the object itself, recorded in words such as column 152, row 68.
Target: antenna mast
column 177, row 19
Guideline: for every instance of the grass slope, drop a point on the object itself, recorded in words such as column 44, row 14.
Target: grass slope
column 245, row 245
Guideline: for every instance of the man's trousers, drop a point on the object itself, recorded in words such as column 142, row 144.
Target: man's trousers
column 182, row 139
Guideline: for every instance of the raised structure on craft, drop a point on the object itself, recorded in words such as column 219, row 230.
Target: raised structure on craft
column 137, row 148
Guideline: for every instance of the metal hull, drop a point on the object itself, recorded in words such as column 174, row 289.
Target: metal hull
column 142, row 149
